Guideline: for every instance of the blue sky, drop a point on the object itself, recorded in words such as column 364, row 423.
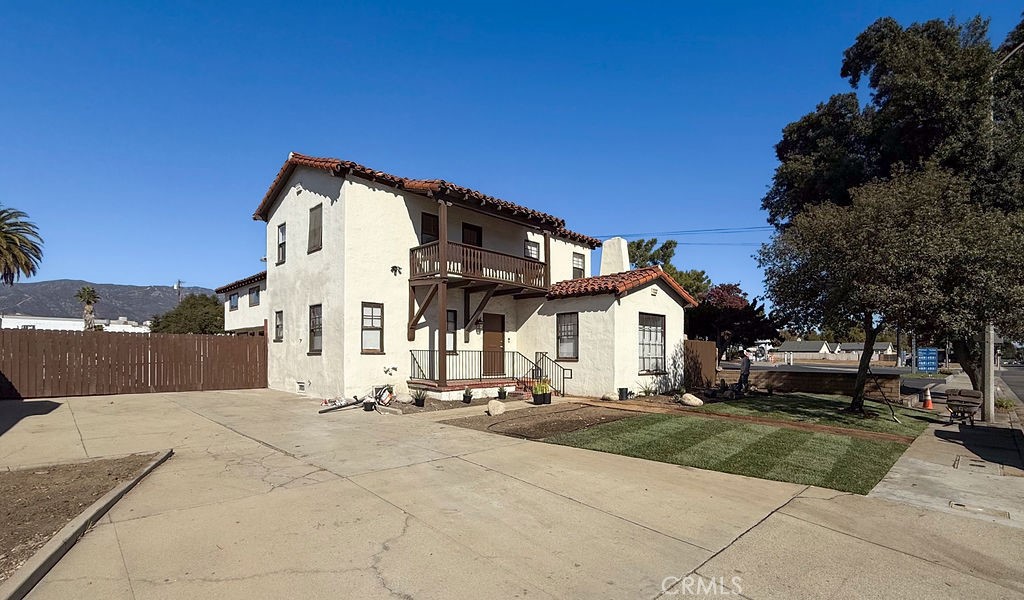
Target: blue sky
column 140, row 138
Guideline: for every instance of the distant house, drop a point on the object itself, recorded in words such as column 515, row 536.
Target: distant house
column 118, row 325
column 804, row 350
column 245, row 305
column 853, row 350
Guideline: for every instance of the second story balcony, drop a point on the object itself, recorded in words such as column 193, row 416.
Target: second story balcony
column 432, row 260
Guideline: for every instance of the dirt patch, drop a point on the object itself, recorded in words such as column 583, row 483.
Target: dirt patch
column 432, row 404
column 38, row 502
column 542, row 421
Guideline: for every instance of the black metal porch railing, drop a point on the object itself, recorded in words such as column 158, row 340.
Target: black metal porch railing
column 484, row 365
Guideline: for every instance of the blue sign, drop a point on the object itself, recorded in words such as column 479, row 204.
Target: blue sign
column 928, row 360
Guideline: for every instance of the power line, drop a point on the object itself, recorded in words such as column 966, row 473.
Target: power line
column 716, row 230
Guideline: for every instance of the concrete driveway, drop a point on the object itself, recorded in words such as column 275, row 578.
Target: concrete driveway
column 264, row 498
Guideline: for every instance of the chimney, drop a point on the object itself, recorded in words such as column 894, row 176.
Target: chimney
column 614, row 256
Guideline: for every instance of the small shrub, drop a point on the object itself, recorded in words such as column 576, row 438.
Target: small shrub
column 648, row 389
column 419, row 395
column 542, row 387
column 1004, row 403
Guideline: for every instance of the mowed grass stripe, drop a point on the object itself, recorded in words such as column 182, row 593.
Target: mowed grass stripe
column 712, row 452
column 814, row 460
column 755, row 450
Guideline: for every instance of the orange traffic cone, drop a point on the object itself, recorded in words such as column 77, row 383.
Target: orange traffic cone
column 927, row 399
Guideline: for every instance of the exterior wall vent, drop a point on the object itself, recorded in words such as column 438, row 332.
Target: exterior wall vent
column 301, row 385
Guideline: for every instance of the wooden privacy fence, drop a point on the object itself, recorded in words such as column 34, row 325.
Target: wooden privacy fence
column 700, row 360
column 47, row 364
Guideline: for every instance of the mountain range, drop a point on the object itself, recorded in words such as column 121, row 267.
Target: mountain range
column 56, row 298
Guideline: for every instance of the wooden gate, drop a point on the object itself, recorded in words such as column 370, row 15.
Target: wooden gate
column 48, row 364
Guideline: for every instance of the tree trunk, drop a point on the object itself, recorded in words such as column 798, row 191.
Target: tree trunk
column 87, row 316
column 969, row 355
column 870, row 335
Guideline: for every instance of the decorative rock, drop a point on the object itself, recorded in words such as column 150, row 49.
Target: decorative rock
column 691, row 400
column 495, row 407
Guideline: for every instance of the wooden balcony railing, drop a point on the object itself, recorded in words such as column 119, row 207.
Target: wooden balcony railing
column 472, row 262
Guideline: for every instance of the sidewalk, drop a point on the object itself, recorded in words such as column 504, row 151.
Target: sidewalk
column 960, row 469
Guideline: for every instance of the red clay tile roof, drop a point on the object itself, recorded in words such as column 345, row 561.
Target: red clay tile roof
column 242, row 282
column 433, row 187
column 617, row 283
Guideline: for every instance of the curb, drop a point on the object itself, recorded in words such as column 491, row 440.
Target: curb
column 35, row 568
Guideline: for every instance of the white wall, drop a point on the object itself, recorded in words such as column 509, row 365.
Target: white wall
column 246, row 317
column 304, row 280
column 368, row 229
column 46, row 323
column 627, row 335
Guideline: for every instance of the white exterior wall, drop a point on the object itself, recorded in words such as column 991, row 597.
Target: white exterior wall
column 246, row 318
column 593, row 374
column 304, row 280
column 368, row 228
column 627, row 337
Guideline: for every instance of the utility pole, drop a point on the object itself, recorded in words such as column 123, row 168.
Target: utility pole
column 989, row 355
column 989, row 374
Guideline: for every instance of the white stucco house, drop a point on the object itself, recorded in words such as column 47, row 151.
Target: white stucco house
column 377, row 279
column 245, row 305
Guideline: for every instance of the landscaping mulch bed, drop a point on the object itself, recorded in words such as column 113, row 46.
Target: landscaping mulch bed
column 35, row 503
column 432, row 404
column 543, row 421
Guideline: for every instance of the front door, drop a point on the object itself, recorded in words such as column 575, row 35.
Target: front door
column 494, row 345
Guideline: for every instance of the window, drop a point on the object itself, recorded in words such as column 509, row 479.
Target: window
column 278, row 325
column 280, row 243
column 27, row 327
column 652, row 343
column 233, row 301
column 532, row 250
column 453, row 326
column 578, row 266
column 429, row 228
column 472, row 235
column 316, row 228
column 316, row 329
column 254, row 296
column 568, row 327
column 373, row 328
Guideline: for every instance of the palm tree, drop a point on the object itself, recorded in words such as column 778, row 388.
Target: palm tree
column 87, row 296
column 21, row 248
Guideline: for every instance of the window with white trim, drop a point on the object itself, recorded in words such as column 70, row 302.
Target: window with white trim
column 568, row 328
column 578, row 266
column 233, row 301
column 373, row 328
column 652, row 343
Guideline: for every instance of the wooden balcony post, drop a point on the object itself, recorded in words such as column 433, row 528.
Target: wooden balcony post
column 442, row 294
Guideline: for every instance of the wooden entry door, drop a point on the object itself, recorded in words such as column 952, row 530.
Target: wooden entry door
column 494, row 345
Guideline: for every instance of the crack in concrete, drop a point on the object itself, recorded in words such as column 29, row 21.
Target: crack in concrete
column 120, row 550
column 74, row 419
column 379, row 556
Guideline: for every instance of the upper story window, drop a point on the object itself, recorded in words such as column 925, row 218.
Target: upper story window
column 429, row 228
column 233, row 301
column 568, row 329
column 652, row 343
column 278, row 325
column 579, row 265
column 281, row 254
column 532, row 250
column 373, row 328
column 316, row 329
column 254, row 296
column 316, row 228
column 472, row 235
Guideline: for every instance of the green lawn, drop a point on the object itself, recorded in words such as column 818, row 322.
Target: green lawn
column 823, row 409
column 783, row 454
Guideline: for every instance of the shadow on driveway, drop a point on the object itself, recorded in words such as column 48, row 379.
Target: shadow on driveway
column 1001, row 445
column 12, row 411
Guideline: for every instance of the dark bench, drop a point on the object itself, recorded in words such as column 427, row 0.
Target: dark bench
column 963, row 404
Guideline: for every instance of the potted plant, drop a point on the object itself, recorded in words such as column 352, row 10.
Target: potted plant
column 419, row 397
column 502, row 393
column 467, row 395
column 542, row 392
